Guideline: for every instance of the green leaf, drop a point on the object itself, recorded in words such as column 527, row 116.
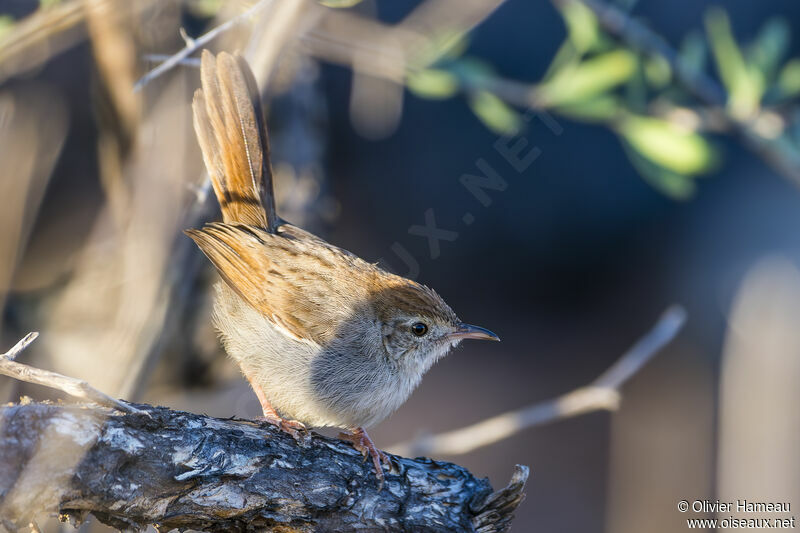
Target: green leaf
column 601, row 108
column 339, row 3
column 745, row 85
column 432, row 83
column 6, row 24
column 730, row 62
column 769, row 48
column 582, row 26
column 676, row 186
column 789, row 79
column 668, row 145
column 657, row 71
column 494, row 113
column 591, row 77
column 565, row 57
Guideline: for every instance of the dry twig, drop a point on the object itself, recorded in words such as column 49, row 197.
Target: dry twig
column 601, row 394
column 193, row 45
column 74, row 387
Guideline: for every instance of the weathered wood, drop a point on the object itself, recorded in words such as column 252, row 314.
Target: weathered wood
column 181, row 470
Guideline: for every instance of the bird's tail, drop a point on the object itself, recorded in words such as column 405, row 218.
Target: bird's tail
column 230, row 127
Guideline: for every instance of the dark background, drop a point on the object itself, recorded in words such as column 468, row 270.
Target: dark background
column 569, row 265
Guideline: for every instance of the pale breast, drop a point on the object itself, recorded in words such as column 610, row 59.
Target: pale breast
column 303, row 381
column 274, row 359
column 355, row 379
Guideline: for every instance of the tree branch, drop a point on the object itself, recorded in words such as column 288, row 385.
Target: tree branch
column 602, row 393
column 152, row 465
column 181, row 470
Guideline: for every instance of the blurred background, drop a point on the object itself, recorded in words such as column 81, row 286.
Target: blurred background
column 585, row 164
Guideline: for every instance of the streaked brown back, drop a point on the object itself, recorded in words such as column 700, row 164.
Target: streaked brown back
column 290, row 277
column 287, row 276
column 231, row 130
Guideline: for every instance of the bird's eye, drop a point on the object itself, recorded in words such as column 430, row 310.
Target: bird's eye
column 419, row 329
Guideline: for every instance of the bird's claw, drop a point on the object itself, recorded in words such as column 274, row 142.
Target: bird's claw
column 294, row 428
column 362, row 443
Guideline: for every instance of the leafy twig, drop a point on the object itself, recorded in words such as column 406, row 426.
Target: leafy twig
column 776, row 152
column 617, row 22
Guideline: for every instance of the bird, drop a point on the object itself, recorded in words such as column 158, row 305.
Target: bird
column 324, row 338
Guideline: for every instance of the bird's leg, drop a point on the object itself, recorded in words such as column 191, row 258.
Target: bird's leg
column 361, row 442
column 292, row 427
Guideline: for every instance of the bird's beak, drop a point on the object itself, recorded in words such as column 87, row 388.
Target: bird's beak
column 468, row 331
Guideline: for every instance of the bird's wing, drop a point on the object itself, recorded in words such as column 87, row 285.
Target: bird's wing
column 292, row 277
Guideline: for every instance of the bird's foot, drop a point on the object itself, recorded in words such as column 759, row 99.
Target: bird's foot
column 294, row 428
column 361, row 442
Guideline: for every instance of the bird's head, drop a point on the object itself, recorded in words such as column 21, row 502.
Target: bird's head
column 417, row 327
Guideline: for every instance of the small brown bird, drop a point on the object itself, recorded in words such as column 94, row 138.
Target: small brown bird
column 325, row 338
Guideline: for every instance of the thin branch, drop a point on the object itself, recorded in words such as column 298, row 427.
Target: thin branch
column 192, row 45
column 370, row 54
column 432, row 17
column 45, row 33
column 503, row 426
column 777, row 152
column 23, row 343
column 193, row 62
column 72, row 386
column 601, row 394
column 640, row 353
column 617, row 22
column 372, row 47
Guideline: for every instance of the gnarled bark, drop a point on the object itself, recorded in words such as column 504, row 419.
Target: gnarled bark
column 181, row 470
